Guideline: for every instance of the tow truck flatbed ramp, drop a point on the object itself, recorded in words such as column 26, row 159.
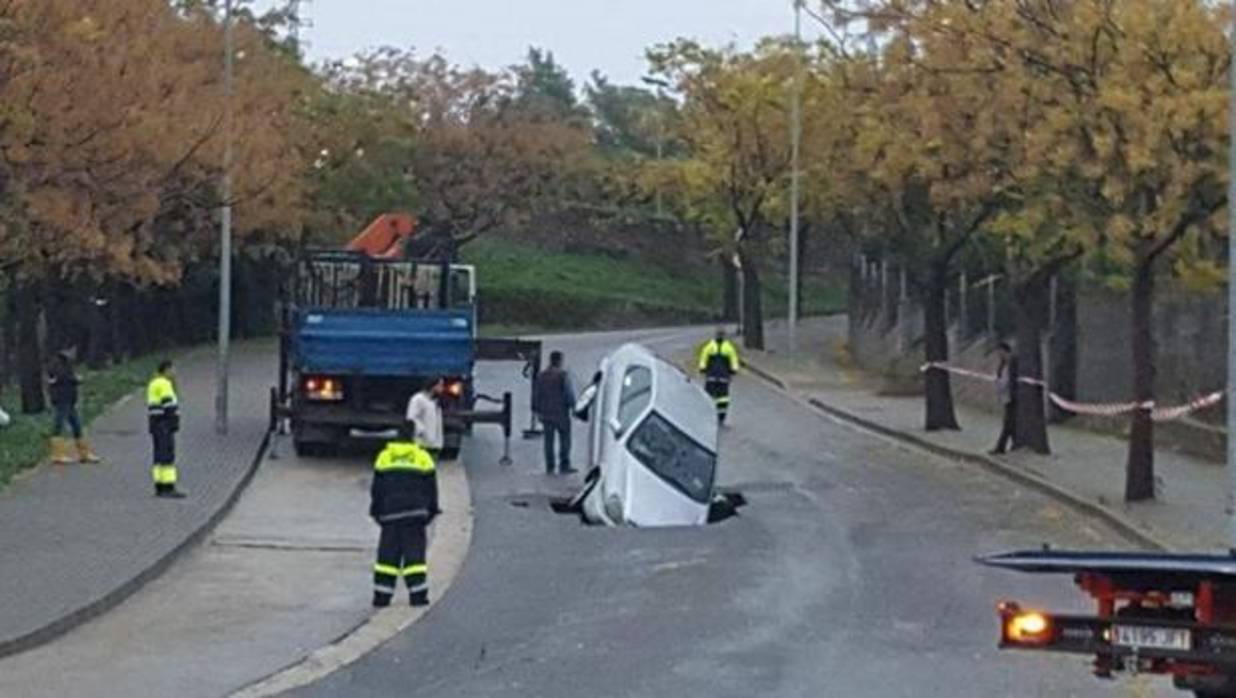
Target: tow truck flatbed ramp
column 1116, row 564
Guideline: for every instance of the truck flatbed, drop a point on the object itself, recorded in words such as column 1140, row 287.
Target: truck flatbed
column 1115, row 564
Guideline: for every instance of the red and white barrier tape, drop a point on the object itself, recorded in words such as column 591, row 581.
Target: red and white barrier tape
column 1101, row 409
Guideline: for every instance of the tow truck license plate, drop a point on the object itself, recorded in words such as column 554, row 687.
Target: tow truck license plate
column 1144, row 637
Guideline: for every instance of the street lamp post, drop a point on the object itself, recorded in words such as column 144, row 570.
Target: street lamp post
column 1231, row 295
column 796, row 126
column 661, row 86
column 225, row 229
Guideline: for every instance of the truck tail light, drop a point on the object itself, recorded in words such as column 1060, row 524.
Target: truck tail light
column 324, row 389
column 454, row 389
column 1022, row 627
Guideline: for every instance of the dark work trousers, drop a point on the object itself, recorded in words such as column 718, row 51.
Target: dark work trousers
column 719, row 389
column 1008, row 431
column 563, row 432
column 164, row 470
column 66, row 415
column 401, row 554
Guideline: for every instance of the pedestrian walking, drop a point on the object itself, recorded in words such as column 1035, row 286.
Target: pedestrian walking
column 719, row 363
column 583, row 406
column 1006, row 391
column 425, row 411
column 62, row 389
column 163, row 410
column 553, row 399
column 403, row 502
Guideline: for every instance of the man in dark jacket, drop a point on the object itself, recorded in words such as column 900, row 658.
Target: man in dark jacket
column 1006, row 390
column 403, row 501
column 553, row 399
column 62, row 388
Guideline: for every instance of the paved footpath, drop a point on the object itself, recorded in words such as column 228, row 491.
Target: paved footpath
column 1189, row 513
column 76, row 540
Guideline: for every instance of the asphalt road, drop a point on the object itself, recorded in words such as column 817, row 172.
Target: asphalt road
column 848, row 574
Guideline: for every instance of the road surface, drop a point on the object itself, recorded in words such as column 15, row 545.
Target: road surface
column 848, row 574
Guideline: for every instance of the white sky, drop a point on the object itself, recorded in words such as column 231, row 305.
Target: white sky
column 609, row 35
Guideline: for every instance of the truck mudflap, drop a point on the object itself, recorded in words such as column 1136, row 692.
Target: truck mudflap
column 1157, row 613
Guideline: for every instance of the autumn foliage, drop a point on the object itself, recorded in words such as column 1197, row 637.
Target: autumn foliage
column 112, row 116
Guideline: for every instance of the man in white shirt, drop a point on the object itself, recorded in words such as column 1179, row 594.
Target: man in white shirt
column 425, row 412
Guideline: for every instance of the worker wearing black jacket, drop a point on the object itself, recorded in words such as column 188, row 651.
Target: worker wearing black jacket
column 404, row 501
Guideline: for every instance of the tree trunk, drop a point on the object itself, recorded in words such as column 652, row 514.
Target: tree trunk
column 1139, row 474
column 1062, row 357
column 29, row 348
column 8, row 363
column 1030, row 302
column 729, row 293
column 939, row 393
column 753, row 307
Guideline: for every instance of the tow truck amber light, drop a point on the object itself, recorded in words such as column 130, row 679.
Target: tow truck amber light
column 324, row 389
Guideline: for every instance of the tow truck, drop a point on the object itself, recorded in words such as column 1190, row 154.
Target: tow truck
column 365, row 327
column 1157, row 613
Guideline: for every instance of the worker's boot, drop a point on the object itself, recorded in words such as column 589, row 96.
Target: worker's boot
column 85, row 454
column 420, row 598
column 60, row 451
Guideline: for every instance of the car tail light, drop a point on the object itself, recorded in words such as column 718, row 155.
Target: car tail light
column 324, row 389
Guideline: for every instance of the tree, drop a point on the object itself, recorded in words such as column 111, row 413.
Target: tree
column 631, row 121
column 544, row 89
column 928, row 152
column 734, row 123
column 483, row 159
column 1144, row 96
column 114, row 146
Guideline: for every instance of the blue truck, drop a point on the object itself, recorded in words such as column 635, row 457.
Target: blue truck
column 361, row 335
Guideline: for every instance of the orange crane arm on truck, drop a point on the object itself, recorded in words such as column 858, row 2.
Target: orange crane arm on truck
column 385, row 237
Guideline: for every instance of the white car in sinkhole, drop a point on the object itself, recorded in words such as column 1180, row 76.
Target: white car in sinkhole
column 652, row 445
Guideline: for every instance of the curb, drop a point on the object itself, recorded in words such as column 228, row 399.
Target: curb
column 111, row 599
column 1123, row 525
column 453, row 532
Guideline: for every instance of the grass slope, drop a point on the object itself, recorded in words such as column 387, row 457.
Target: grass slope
column 520, row 285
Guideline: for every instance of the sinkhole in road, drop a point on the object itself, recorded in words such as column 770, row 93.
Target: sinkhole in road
column 725, row 505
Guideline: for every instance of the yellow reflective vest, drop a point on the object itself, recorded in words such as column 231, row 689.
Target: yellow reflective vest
column 719, row 359
column 162, row 407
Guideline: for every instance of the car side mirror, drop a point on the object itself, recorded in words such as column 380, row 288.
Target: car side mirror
column 616, row 427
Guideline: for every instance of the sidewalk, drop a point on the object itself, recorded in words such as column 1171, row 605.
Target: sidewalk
column 76, row 540
column 1085, row 467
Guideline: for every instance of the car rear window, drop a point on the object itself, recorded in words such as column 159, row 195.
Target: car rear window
column 674, row 457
